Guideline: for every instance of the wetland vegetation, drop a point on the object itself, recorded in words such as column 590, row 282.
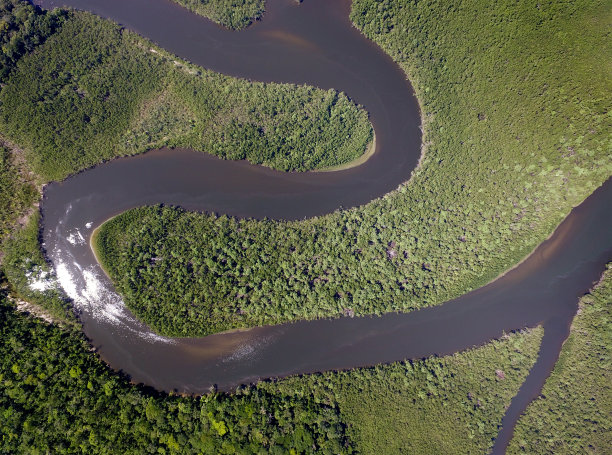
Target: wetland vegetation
column 574, row 412
column 514, row 138
column 57, row 396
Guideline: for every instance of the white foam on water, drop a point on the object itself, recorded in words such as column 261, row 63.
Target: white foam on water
column 76, row 238
column 99, row 301
column 64, row 277
column 88, row 225
column 105, row 304
column 243, row 351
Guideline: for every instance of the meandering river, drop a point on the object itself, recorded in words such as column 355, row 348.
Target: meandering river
column 312, row 43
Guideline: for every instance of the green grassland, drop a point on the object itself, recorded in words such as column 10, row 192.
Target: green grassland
column 233, row 14
column 56, row 396
column 574, row 412
column 516, row 119
column 94, row 91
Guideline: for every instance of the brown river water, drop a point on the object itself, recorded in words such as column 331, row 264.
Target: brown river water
column 312, row 43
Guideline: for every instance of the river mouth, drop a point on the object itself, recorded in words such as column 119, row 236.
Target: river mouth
column 542, row 290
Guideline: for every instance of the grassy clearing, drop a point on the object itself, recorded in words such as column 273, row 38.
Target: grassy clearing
column 517, row 132
column 93, row 92
column 233, row 14
column 574, row 412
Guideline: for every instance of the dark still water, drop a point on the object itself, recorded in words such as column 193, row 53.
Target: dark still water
column 543, row 289
column 312, row 43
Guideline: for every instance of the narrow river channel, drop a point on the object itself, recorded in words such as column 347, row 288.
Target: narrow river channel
column 313, row 43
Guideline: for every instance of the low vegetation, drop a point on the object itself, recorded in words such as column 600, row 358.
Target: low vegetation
column 56, row 396
column 574, row 412
column 105, row 92
column 515, row 136
column 18, row 192
column 233, row 14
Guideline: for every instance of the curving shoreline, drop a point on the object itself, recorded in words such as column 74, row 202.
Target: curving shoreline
column 384, row 332
column 370, row 151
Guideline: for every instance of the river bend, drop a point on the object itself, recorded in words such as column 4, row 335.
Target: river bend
column 312, row 43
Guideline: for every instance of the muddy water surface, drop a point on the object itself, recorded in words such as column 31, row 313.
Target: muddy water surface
column 311, row 43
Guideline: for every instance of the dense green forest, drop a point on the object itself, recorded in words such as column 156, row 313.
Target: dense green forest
column 22, row 28
column 57, row 397
column 514, row 137
column 448, row 405
column 94, row 91
column 234, row 14
column 574, row 412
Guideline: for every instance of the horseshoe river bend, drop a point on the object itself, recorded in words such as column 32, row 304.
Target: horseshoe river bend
column 316, row 44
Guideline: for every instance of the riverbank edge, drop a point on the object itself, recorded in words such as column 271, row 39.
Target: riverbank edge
column 369, row 153
column 516, row 259
column 98, row 252
column 558, row 383
column 548, row 238
column 94, row 245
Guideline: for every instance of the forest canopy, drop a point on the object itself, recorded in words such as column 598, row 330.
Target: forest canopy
column 106, row 92
column 57, row 396
column 514, row 137
column 233, row 14
column 23, row 27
